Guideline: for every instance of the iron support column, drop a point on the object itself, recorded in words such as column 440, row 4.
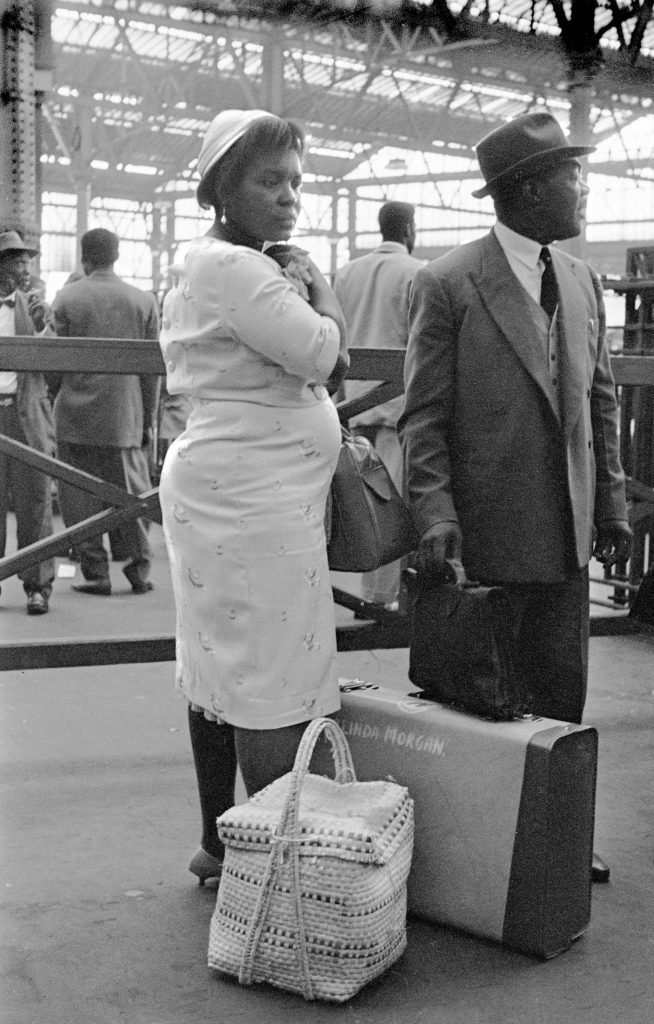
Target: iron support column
column 18, row 206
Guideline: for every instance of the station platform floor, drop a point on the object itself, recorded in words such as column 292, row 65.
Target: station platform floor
column 101, row 922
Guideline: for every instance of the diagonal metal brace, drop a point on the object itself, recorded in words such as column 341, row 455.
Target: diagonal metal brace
column 141, row 507
column 102, row 489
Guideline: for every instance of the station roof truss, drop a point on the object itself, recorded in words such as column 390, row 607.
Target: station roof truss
column 136, row 82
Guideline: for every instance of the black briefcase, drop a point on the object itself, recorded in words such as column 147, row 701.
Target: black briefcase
column 461, row 649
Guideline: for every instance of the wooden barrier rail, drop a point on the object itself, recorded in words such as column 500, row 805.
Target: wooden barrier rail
column 118, row 355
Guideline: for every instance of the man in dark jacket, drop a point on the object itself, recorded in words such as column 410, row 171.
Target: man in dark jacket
column 104, row 421
column 25, row 416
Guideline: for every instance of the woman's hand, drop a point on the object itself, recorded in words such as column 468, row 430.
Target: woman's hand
column 294, row 263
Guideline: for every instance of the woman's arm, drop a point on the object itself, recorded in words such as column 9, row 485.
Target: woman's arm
column 323, row 300
column 265, row 311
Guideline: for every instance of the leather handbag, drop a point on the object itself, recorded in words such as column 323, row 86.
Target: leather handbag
column 461, row 649
column 367, row 521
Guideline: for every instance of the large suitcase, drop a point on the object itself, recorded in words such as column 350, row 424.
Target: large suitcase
column 504, row 813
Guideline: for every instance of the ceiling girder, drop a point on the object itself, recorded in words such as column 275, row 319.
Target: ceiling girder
column 383, row 88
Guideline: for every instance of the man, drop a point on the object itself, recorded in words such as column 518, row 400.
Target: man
column 103, row 421
column 373, row 292
column 510, row 424
column 25, row 416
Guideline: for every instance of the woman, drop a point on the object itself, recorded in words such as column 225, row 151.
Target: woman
column 243, row 489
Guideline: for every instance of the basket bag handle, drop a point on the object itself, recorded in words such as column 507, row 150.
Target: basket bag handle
column 286, row 836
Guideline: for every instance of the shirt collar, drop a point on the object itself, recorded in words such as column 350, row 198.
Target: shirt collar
column 11, row 297
column 521, row 248
column 392, row 247
column 101, row 272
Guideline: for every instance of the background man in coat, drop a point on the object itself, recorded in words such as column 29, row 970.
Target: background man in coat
column 103, row 421
column 510, row 424
column 25, row 416
column 373, row 292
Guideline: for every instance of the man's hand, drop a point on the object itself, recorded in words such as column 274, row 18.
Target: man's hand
column 39, row 310
column 614, row 542
column 437, row 544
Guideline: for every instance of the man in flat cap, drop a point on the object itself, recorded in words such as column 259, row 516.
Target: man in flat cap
column 509, row 425
column 25, row 416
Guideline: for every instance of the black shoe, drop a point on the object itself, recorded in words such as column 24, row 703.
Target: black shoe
column 101, row 588
column 37, row 603
column 600, row 871
column 142, row 587
column 136, row 573
column 205, row 865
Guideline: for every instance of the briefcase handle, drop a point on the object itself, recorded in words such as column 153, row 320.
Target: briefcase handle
column 453, row 572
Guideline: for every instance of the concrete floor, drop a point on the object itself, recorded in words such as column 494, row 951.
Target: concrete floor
column 102, row 923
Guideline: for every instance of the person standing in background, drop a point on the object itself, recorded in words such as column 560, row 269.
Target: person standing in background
column 104, row 422
column 25, row 416
column 373, row 292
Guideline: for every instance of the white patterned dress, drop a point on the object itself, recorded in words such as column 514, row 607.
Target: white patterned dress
column 243, row 490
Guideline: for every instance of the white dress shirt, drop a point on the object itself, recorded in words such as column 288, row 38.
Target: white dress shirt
column 523, row 255
column 8, row 379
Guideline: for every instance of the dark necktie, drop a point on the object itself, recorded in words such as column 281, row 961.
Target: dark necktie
column 7, row 302
column 549, row 293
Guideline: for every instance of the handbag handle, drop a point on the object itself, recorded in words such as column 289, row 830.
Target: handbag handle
column 286, row 835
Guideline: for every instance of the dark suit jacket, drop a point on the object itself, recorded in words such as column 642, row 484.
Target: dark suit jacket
column 105, row 409
column 486, row 442
column 32, row 400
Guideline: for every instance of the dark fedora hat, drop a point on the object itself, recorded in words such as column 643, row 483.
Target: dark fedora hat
column 10, row 241
column 521, row 145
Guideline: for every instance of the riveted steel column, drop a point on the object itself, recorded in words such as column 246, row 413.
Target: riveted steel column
column 43, row 66
column 18, row 201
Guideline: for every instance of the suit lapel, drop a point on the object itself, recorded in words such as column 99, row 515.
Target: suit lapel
column 508, row 305
column 573, row 326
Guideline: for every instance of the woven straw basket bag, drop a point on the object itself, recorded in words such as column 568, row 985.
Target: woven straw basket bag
column 312, row 896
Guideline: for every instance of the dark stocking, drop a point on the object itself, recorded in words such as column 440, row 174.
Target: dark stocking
column 266, row 754
column 214, row 754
